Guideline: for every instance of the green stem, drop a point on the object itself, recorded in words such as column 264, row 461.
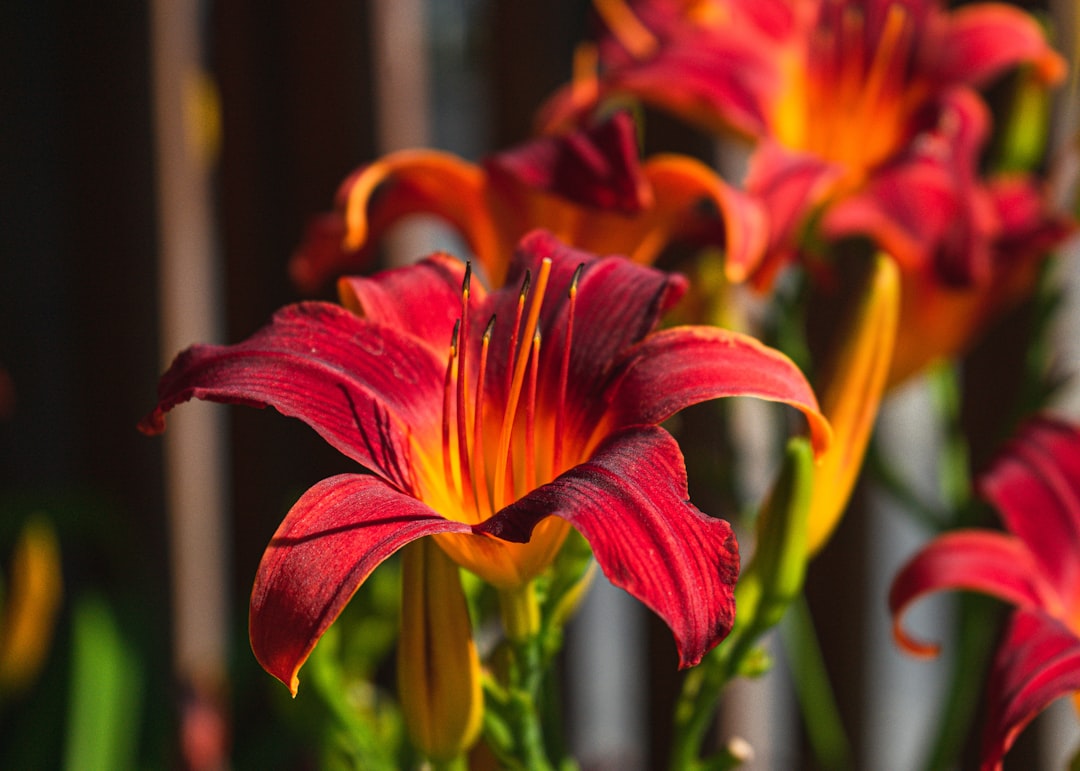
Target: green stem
column 458, row 763
column 701, row 692
column 824, row 727
column 694, row 711
column 522, row 697
column 520, row 612
column 955, row 467
column 976, row 633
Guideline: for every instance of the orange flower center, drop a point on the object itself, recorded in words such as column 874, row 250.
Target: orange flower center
column 849, row 97
column 492, row 458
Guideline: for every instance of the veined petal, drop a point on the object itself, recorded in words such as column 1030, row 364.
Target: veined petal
column 424, row 298
column 1038, row 661
column 630, row 502
column 329, row 542
column 606, row 322
column 360, row 385
column 1035, row 485
column 974, row 560
column 674, row 368
column 982, row 40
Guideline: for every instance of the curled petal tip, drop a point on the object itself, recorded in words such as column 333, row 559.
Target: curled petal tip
column 912, row 646
column 153, row 424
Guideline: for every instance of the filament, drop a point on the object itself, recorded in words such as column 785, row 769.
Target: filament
column 564, row 373
column 450, row 472
column 516, row 382
column 469, row 500
column 530, row 415
column 479, row 475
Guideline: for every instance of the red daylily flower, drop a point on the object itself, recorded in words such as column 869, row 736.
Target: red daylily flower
column 966, row 248
column 841, row 96
column 865, row 119
column 587, row 187
column 1035, row 485
column 940, row 319
column 499, row 447
column 845, row 81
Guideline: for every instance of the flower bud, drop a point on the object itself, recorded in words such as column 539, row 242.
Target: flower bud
column 438, row 667
column 851, row 395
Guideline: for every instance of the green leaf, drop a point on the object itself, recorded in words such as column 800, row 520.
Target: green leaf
column 106, row 691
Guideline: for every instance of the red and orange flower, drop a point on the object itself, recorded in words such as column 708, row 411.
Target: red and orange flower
column 866, row 122
column 543, row 416
column 1035, row 485
column 588, row 187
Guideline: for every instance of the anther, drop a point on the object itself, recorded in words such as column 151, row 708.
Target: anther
column 564, row 372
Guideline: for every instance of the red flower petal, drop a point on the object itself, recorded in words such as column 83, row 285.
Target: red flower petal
column 617, row 304
column 597, row 167
column 424, row 298
column 982, row 40
column 360, row 385
column 1038, row 661
column 715, row 78
column 675, row 368
column 976, row 560
column 1035, row 485
column 630, row 503
column 790, row 185
column 377, row 196
column 329, row 542
column 926, row 208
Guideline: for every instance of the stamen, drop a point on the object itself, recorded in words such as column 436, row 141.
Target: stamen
column 821, row 65
column 514, row 393
column 634, row 36
column 884, row 66
column 564, row 373
column 479, row 471
column 516, row 326
column 469, row 500
column 449, row 389
column 841, row 96
column 530, row 416
column 507, row 489
column 585, row 84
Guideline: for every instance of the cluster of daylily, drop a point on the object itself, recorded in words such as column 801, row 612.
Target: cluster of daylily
column 501, row 402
